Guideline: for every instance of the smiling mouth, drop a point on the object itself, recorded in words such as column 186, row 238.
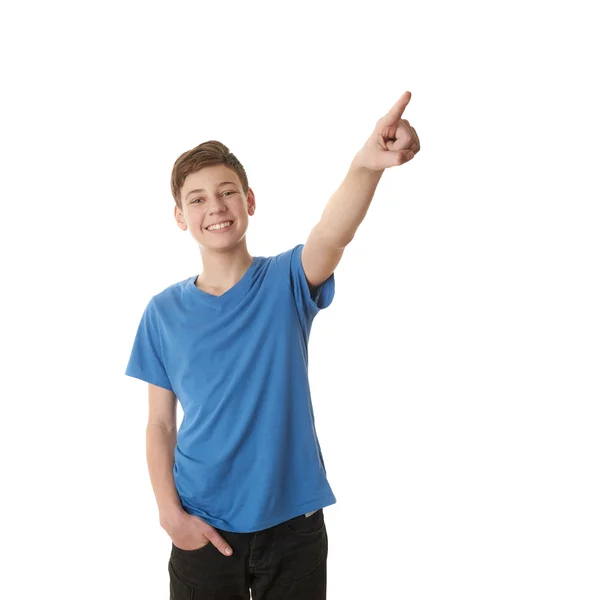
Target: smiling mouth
column 221, row 228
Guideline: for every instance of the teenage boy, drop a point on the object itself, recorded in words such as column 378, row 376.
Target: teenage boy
column 241, row 486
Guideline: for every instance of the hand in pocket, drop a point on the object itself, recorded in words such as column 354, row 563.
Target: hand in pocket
column 192, row 533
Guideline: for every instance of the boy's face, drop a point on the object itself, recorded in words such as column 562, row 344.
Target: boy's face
column 206, row 200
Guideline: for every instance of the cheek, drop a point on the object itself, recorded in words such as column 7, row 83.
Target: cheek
column 196, row 214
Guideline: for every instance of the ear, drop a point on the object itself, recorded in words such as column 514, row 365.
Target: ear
column 180, row 219
column 251, row 202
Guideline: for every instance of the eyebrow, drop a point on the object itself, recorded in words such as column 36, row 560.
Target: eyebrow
column 203, row 190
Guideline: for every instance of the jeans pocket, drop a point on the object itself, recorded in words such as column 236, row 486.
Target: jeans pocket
column 302, row 546
column 307, row 526
column 178, row 590
column 178, row 549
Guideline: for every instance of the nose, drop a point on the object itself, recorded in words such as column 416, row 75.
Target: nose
column 217, row 204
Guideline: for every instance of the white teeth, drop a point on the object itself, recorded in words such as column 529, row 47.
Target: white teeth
column 221, row 226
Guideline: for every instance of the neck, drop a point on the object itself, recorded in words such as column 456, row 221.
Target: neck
column 222, row 269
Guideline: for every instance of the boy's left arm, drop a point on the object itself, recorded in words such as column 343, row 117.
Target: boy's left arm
column 392, row 143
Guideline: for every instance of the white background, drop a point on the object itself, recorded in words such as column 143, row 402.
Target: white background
column 455, row 376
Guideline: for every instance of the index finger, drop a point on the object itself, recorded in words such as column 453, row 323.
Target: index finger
column 216, row 540
column 397, row 110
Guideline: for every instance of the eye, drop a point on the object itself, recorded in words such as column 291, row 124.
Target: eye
column 195, row 200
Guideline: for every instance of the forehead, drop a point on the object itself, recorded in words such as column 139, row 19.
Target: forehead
column 208, row 177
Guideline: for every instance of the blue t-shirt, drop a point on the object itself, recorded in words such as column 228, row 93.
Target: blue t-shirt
column 247, row 454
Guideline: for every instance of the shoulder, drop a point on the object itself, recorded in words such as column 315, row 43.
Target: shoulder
column 165, row 299
column 288, row 258
column 290, row 252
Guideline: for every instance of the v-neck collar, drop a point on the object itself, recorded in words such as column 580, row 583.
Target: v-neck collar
column 233, row 294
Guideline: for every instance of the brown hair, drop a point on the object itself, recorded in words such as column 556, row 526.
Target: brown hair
column 206, row 154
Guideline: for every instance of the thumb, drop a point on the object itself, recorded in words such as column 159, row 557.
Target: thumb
column 401, row 156
column 218, row 542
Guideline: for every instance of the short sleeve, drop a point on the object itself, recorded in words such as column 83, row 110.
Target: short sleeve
column 146, row 361
column 289, row 265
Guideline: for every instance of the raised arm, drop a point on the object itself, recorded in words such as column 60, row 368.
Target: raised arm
column 392, row 143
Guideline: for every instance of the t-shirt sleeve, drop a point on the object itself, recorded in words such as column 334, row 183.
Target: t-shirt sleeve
column 146, row 360
column 289, row 265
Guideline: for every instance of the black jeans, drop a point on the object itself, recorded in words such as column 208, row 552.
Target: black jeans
column 287, row 561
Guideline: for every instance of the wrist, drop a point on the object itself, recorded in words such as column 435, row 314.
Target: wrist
column 359, row 167
column 171, row 518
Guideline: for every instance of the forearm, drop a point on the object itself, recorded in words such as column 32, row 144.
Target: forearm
column 348, row 206
column 160, row 452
